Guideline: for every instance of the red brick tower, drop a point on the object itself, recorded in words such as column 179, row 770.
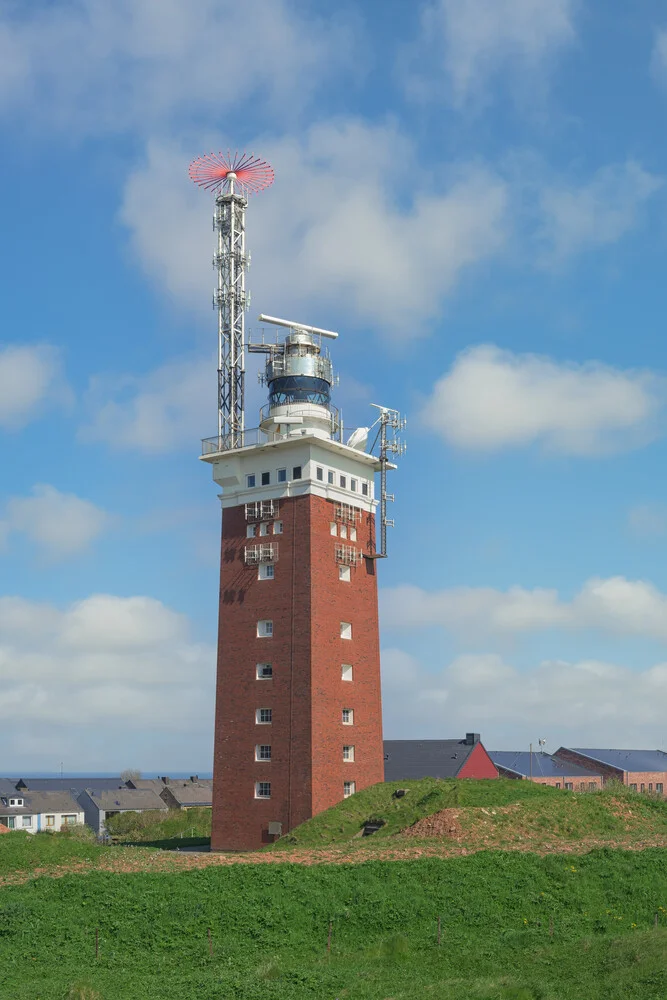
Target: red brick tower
column 298, row 707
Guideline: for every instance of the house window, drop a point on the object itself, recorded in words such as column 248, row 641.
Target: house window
column 250, row 481
column 330, row 478
column 349, row 788
column 50, row 820
column 262, row 752
column 346, row 671
column 582, row 786
column 569, row 786
column 264, row 629
column 296, row 472
column 27, row 820
column 282, row 475
column 658, row 788
column 364, row 489
column 353, row 533
column 263, row 716
column 557, row 785
column 642, row 787
column 591, row 786
column 333, row 528
column 353, row 485
column 69, row 820
column 633, row 787
column 345, row 630
column 10, row 822
column 348, row 753
column 250, row 531
column 264, row 529
column 319, row 472
column 348, row 716
column 343, row 482
column 343, row 531
column 344, row 573
column 650, row 786
column 266, row 478
column 264, row 671
column 265, row 571
column 277, row 527
column 262, row 789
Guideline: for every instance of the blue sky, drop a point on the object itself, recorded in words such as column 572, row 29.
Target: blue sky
column 473, row 193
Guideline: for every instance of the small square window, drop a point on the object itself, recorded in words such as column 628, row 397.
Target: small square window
column 264, row 671
column 349, row 788
column 343, row 531
column 266, row 478
column 263, row 716
column 343, row 482
column 333, row 528
column 282, row 475
column 262, row 789
column 265, row 571
column 569, row 786
column 642, row 787
column 348, row 717
column 364, row 489
column 277, row 527
column 330, row 478
column 353, row 485
column 650, row 786
column 296, row 472
column 344, row 573
column 353, row 534
column 319, row 472
column 27, row 820
column 591, row 786
column 345, row 630
column 250, row 531
column 265, row 629
column 346, row 671
column 250, row 481
column 658, row 788
column 50, row 820
column 633, row 787
column 262, row 752
column 264, row 528
column 348, row 754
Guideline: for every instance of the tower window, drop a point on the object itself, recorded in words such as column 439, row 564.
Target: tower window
column 266, row 478
column 319, row 472
column 264, row 716
column 262, row 789
column 346, row 671
column 282, row 475
column 262, row 752
column 330, row 478
column 265, row 629
column 265, row 571
column 348, row 754
column 343, row 531
column 348, row 716
column 343, row 482
column 349, row 788
column 264, row 528
column 277, row 527
column 296, row 472
column 353, row 534
column 353, row 485
column 264, row 671
column 345, row 630
column 250, row 481
column 344, row 573
column 333, row 528
column 364, row 489
column 250, row 531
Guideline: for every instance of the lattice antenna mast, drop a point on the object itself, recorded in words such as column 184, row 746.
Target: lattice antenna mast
column 231, row 178
column 390, row 426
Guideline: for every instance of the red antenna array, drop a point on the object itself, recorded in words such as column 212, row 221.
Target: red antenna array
column 212, row 172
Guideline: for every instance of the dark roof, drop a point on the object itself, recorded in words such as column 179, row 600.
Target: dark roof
column 51, row 802
column 406, row 759
column 7, row 787
column 72, row 785
column 543, row 765
column 111, row 800
column 188, row 793
column 628, row 760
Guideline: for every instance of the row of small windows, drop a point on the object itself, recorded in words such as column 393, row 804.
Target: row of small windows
column 263, row 789
column 263, row 753
column 266, row 571
column 264, row 479
column 264, row 672
column 264, row 716
column 343, row 530
column 265, row 629
column 264, row 529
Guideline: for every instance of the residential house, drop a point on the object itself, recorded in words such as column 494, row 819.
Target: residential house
column 188, row 794
column 36, row 811
column 642, row 770
column 408, row 759
column 72, row 785
column 98, row 805
column 545, row 769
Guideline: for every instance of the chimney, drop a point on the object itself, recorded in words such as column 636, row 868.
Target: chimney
column 165, row 781
column 194, row 777
column 471, row 739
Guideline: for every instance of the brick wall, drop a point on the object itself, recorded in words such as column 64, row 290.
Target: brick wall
column 580, row 783
column 306, row 602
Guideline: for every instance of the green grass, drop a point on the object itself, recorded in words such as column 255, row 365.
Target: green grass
column 21, row 851
column 515, row 926
column 176, row 828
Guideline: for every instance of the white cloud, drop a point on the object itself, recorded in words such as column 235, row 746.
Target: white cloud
column 107, row 678
column 90, row 66
column 336, row 231
column 61, row 524
column 596, row 213
column 478, row 41
column 30, row 379
column 587, row 703
column 614, row 605
column 168, row 408
column 493, row 399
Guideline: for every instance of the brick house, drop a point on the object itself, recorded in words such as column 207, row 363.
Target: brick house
column 642, row 770
column 545, row 769
column 411, row 759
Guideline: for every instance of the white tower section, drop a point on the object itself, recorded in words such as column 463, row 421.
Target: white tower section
column 231, row 301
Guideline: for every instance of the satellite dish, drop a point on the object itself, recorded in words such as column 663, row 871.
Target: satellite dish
column 358, row 438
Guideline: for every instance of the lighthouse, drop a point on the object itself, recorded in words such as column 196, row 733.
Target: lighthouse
column 298, row 719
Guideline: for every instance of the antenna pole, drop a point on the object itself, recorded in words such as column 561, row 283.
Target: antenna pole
column 230, row 299
column 389, row 445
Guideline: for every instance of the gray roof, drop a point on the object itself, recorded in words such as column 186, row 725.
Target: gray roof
column 126, row 798
column 188, row 793
column 406, row 759
column 51, row 802
column 152, row 784
column 544, row 765
column 627, row 760
column 7, row 787
column 73, row 785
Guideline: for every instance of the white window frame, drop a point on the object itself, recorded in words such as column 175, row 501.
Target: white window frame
column 265, row 571
column 250, row 531
column 343, row 531
column 346, row 672
column 353, row 485
column 364, row 489
column 282, row 475
column 333, row 528
column 250, row 480
column 27, row 821
column 344, row 573
column 258, row 717
column 342, row 482
column 265, row 748
column 265, row 628
column 259, row 675
column 319, row 473
column 345, row 630
column 277, row 527
column 350, row 720
column 349, row 788
column 353, row 533
column 264, row 529
column 348, row 753
column 331, row 477
column 259, row 785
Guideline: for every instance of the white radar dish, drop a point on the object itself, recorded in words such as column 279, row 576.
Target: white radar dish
column 358, row 438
